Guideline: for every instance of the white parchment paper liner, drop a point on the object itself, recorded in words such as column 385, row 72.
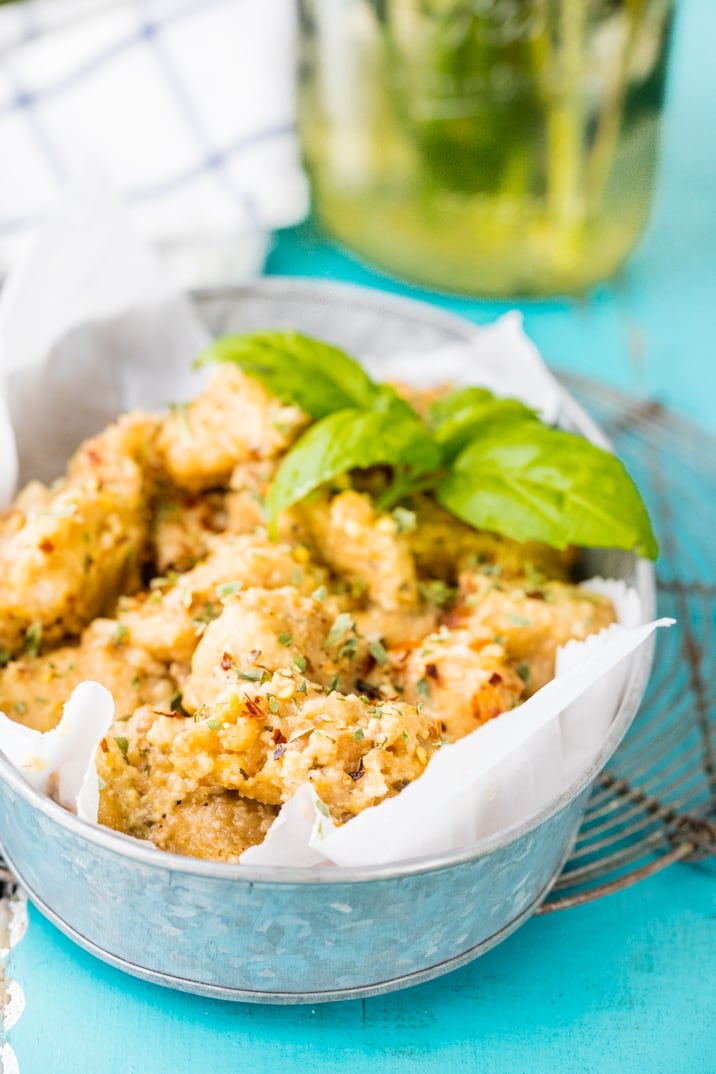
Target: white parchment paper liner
column 89, row 327
column 61, row 762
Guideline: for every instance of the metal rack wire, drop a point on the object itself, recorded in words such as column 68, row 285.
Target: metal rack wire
column 656, row 804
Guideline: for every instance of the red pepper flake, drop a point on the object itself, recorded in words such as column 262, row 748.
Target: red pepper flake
column 46, row 546
column 431, row 670
column 227, row 661
column 104, row 746
column 278, row 736
column 535, row 594
column 253, row 708
column 495, row 679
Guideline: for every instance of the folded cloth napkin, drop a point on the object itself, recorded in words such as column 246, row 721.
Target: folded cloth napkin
column 185, row 107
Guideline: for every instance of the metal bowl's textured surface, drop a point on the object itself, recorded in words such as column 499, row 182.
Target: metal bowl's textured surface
column 278, row 935
column 212, row 931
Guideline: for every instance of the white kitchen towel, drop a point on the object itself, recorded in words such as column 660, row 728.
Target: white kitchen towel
column 185, row 107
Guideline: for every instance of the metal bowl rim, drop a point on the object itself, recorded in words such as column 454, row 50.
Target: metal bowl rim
column 128, row 847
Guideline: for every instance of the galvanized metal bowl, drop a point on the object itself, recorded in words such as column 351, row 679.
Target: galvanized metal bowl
column 283, row 935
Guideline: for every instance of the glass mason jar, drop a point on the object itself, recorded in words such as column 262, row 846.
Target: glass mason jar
column 494, row 147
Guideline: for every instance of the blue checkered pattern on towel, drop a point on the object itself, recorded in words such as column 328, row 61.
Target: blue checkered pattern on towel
column 186, row 107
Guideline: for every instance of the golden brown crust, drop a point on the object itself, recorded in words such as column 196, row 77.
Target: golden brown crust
column 343, row 655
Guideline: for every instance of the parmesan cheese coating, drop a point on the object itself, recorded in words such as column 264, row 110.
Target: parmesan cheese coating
column 235, row 420
column 67, row 552
column 343, row 654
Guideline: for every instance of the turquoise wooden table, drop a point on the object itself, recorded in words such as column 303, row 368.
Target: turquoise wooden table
column 624, row 985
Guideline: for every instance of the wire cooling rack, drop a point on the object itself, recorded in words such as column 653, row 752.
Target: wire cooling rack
column 656, row 803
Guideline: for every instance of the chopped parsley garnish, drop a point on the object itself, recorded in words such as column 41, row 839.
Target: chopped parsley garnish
column 423, row 688
column 321, row 593
column 33, row 639
column 123, row 745
column 209, row 613
column 253, row 675
column 301, row 663
column 273, row 703
column 341, row 625
column 349, row 649
column 378, row 652
column 301, row 734
column 285, row 638
column 523, row 670
column 227, row 589
column 5, row 657
column 358, row 734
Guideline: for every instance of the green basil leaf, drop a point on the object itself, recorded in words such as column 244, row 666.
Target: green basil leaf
column 315, row 376
column 462, row 415
column 348, row 440
column 534, row 483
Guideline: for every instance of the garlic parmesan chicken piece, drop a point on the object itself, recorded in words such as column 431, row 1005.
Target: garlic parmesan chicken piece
column 363, row 545
column 67, row 552
column 168, row 620
column 530, row 618
column 33, row 690
column 267, row 739
column 144, row 794
column 260, row 632
column 182, row 527
column 460, row 678
column 234, row 420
